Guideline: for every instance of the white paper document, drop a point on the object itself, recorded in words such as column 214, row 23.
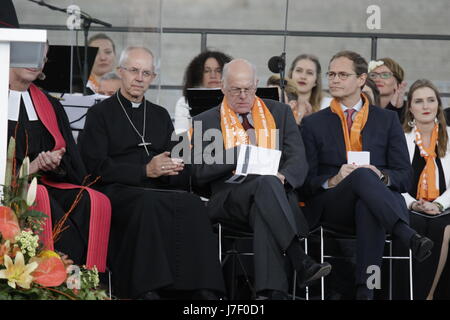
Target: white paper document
column 255, row 160
column 359, row 158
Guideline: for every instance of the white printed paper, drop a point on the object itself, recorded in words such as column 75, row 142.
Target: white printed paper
column 255, row 160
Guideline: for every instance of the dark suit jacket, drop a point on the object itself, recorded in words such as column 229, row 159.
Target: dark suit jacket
column 293, row 164
column 382, row 135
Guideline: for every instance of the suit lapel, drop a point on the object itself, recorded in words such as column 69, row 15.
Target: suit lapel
column 411, row 144
column 335, row 131
column 368, row 131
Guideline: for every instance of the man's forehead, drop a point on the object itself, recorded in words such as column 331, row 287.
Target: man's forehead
column 341, row 63
column 241, row 78
column 140, row 58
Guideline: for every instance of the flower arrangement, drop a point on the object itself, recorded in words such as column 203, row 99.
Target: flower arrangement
column 27, row 269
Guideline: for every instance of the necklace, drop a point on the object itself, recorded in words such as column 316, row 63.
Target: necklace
column 142, row 136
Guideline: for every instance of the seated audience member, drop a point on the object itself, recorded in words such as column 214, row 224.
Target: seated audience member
column 358, row 198
column 427, row 138
column 290, row 97
column 42, row 132
column 264, row 204
column 104, row 61
column 306, row 72
column 204, row 71
column 388, row 75
column 372, row 92
column 109, row 84
column 161, row 242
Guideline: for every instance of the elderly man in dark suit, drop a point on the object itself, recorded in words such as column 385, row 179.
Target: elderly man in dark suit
column 363, row 199
column 265, row 204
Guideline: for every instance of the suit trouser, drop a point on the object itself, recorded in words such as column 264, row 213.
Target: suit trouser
column 361, row 204
column 261, row 203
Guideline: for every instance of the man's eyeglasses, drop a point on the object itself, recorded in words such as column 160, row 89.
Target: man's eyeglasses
column 136, row 72
column 382, row 75
column 341, row 75
column 239, row 91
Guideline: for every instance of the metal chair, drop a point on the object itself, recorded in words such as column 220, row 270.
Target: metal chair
column 325, row 233
column 232, row 234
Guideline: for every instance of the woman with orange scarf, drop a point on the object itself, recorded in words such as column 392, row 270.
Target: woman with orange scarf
column 427, row 138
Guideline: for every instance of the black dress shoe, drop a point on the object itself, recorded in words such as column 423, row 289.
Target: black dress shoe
column 313, row 271
column 271, row 295
column 150, row 295
column 420, row 247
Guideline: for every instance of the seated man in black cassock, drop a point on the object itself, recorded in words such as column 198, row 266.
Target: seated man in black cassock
column 265, row 204
column 161, row 240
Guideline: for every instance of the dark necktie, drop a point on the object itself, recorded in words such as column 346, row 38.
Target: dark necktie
column 247, row 125
column 349, row 118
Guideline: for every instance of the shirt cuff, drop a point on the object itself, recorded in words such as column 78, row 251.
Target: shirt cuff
column 325, row 185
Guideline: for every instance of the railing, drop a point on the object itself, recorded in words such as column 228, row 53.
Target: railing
column 205, row 32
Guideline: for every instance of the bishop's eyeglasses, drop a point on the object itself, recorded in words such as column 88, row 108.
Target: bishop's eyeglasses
column 135, row 72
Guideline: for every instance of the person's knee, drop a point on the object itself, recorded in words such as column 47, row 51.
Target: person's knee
column 362, row 175
column 266, row 181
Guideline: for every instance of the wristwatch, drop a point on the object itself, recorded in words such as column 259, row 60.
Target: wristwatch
column 383, row 178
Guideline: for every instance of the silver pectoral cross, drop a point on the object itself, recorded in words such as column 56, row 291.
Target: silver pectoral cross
column 144, row 144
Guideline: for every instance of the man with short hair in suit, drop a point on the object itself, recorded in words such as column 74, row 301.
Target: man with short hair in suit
column 358, row 199
column 267, row 205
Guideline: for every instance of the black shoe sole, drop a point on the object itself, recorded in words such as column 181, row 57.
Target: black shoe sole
column 322, row 272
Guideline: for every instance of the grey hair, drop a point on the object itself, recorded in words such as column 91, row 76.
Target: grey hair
column 226, row 67
column 125, row 53
column 110, row 76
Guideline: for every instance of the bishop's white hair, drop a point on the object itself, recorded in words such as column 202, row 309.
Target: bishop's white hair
column 125, row 53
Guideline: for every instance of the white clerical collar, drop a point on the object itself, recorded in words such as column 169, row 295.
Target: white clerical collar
column 357, row 106
column 14, row 105
column 135, row 105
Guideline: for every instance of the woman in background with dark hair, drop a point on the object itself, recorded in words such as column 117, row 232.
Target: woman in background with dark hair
column 204, row 71
column 427, row 139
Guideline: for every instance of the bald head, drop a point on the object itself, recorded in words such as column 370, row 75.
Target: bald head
column 239, row 85
column 239, row 68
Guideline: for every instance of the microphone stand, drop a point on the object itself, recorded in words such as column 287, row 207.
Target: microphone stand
column 281, row 67
column 282, row 62
column 87, row 20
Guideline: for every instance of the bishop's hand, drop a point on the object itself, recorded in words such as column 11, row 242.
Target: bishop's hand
column 47, row 161
column 164, row 165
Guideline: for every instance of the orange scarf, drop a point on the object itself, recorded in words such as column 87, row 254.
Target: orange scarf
column 234, row 134
column 426, row 188
column 94, row 82
column 353, row 141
